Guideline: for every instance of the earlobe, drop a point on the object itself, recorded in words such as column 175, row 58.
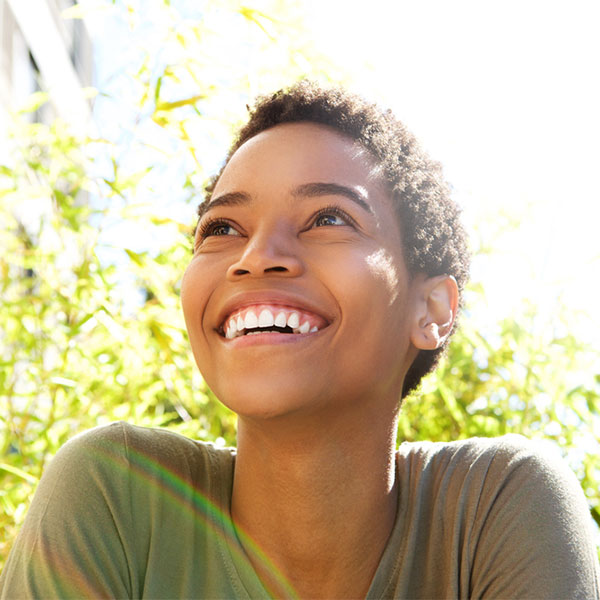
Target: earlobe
column 435, row 312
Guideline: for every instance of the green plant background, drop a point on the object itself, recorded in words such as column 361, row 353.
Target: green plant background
column 91, row 329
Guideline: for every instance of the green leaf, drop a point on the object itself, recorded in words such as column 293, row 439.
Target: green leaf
column 166, row 106
column 34, row 102
column 18, row 472
column 157, row 88
column 69, row 383
column 136, row 257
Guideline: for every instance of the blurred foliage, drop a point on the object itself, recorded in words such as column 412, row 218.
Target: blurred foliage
column 90, row 328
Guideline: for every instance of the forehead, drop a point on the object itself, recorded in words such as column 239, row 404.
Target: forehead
column 300, row 152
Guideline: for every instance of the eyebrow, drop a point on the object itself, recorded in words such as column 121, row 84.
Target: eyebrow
column 229, row 199
column 306, row 190
column 312, row 190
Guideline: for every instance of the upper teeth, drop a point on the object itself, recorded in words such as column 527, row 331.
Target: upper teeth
column 238, row 325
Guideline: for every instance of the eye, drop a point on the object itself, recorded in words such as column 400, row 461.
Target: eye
column 327, row 220
column 332, row 216
column 216, row 227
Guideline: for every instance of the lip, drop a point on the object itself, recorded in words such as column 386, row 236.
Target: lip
column 270, row 339
column 243, row 299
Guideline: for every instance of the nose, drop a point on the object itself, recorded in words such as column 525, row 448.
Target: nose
column 272, row 250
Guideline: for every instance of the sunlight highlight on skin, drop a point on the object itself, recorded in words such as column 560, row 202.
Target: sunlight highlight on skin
column 382, row 265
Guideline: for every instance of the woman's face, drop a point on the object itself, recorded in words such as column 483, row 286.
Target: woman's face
column 298, row 297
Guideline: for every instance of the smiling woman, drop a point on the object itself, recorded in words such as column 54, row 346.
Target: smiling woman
column 328, row 266
column 303, row 244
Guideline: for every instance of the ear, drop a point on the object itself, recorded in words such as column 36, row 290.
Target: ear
column 436, row 307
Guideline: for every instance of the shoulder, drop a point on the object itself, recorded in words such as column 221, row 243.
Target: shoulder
column 124, row 438
column 506, row 482
column 504, row 445
column 511, row 455
column 125, row 475
column 120, row 451
column 515, row 509
column 111, row 489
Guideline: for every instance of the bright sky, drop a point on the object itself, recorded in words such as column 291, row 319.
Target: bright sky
column 505, row 95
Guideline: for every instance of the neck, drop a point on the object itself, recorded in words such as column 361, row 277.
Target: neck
column 320, row 501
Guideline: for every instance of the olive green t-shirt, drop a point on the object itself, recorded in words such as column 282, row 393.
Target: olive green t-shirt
column 129, row 512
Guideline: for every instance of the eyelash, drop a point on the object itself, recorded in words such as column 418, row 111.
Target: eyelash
column 205, row 228
column 333, row 210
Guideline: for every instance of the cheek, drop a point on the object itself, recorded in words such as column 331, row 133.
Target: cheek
column 384, row 269
column 187, row 287
column 192, row 299
column 365, row 280
column 382, row 299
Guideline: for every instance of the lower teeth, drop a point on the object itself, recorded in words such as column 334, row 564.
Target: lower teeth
column 295, row 330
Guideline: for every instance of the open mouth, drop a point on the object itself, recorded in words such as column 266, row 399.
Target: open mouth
column 270, row 319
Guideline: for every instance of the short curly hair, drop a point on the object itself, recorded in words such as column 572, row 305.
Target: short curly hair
column 434, row 240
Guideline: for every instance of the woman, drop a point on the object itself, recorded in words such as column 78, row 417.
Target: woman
column 328, row 266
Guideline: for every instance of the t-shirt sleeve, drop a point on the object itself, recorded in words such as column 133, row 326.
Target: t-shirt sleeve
column 74, row 541
column 536, row 535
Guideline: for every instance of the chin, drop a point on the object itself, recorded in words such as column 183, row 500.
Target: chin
column 265, row 401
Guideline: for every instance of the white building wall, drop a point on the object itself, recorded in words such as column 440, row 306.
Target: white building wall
column 41, row 51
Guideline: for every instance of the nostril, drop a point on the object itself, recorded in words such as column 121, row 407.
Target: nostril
column 276, row 269
column 241, row 272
